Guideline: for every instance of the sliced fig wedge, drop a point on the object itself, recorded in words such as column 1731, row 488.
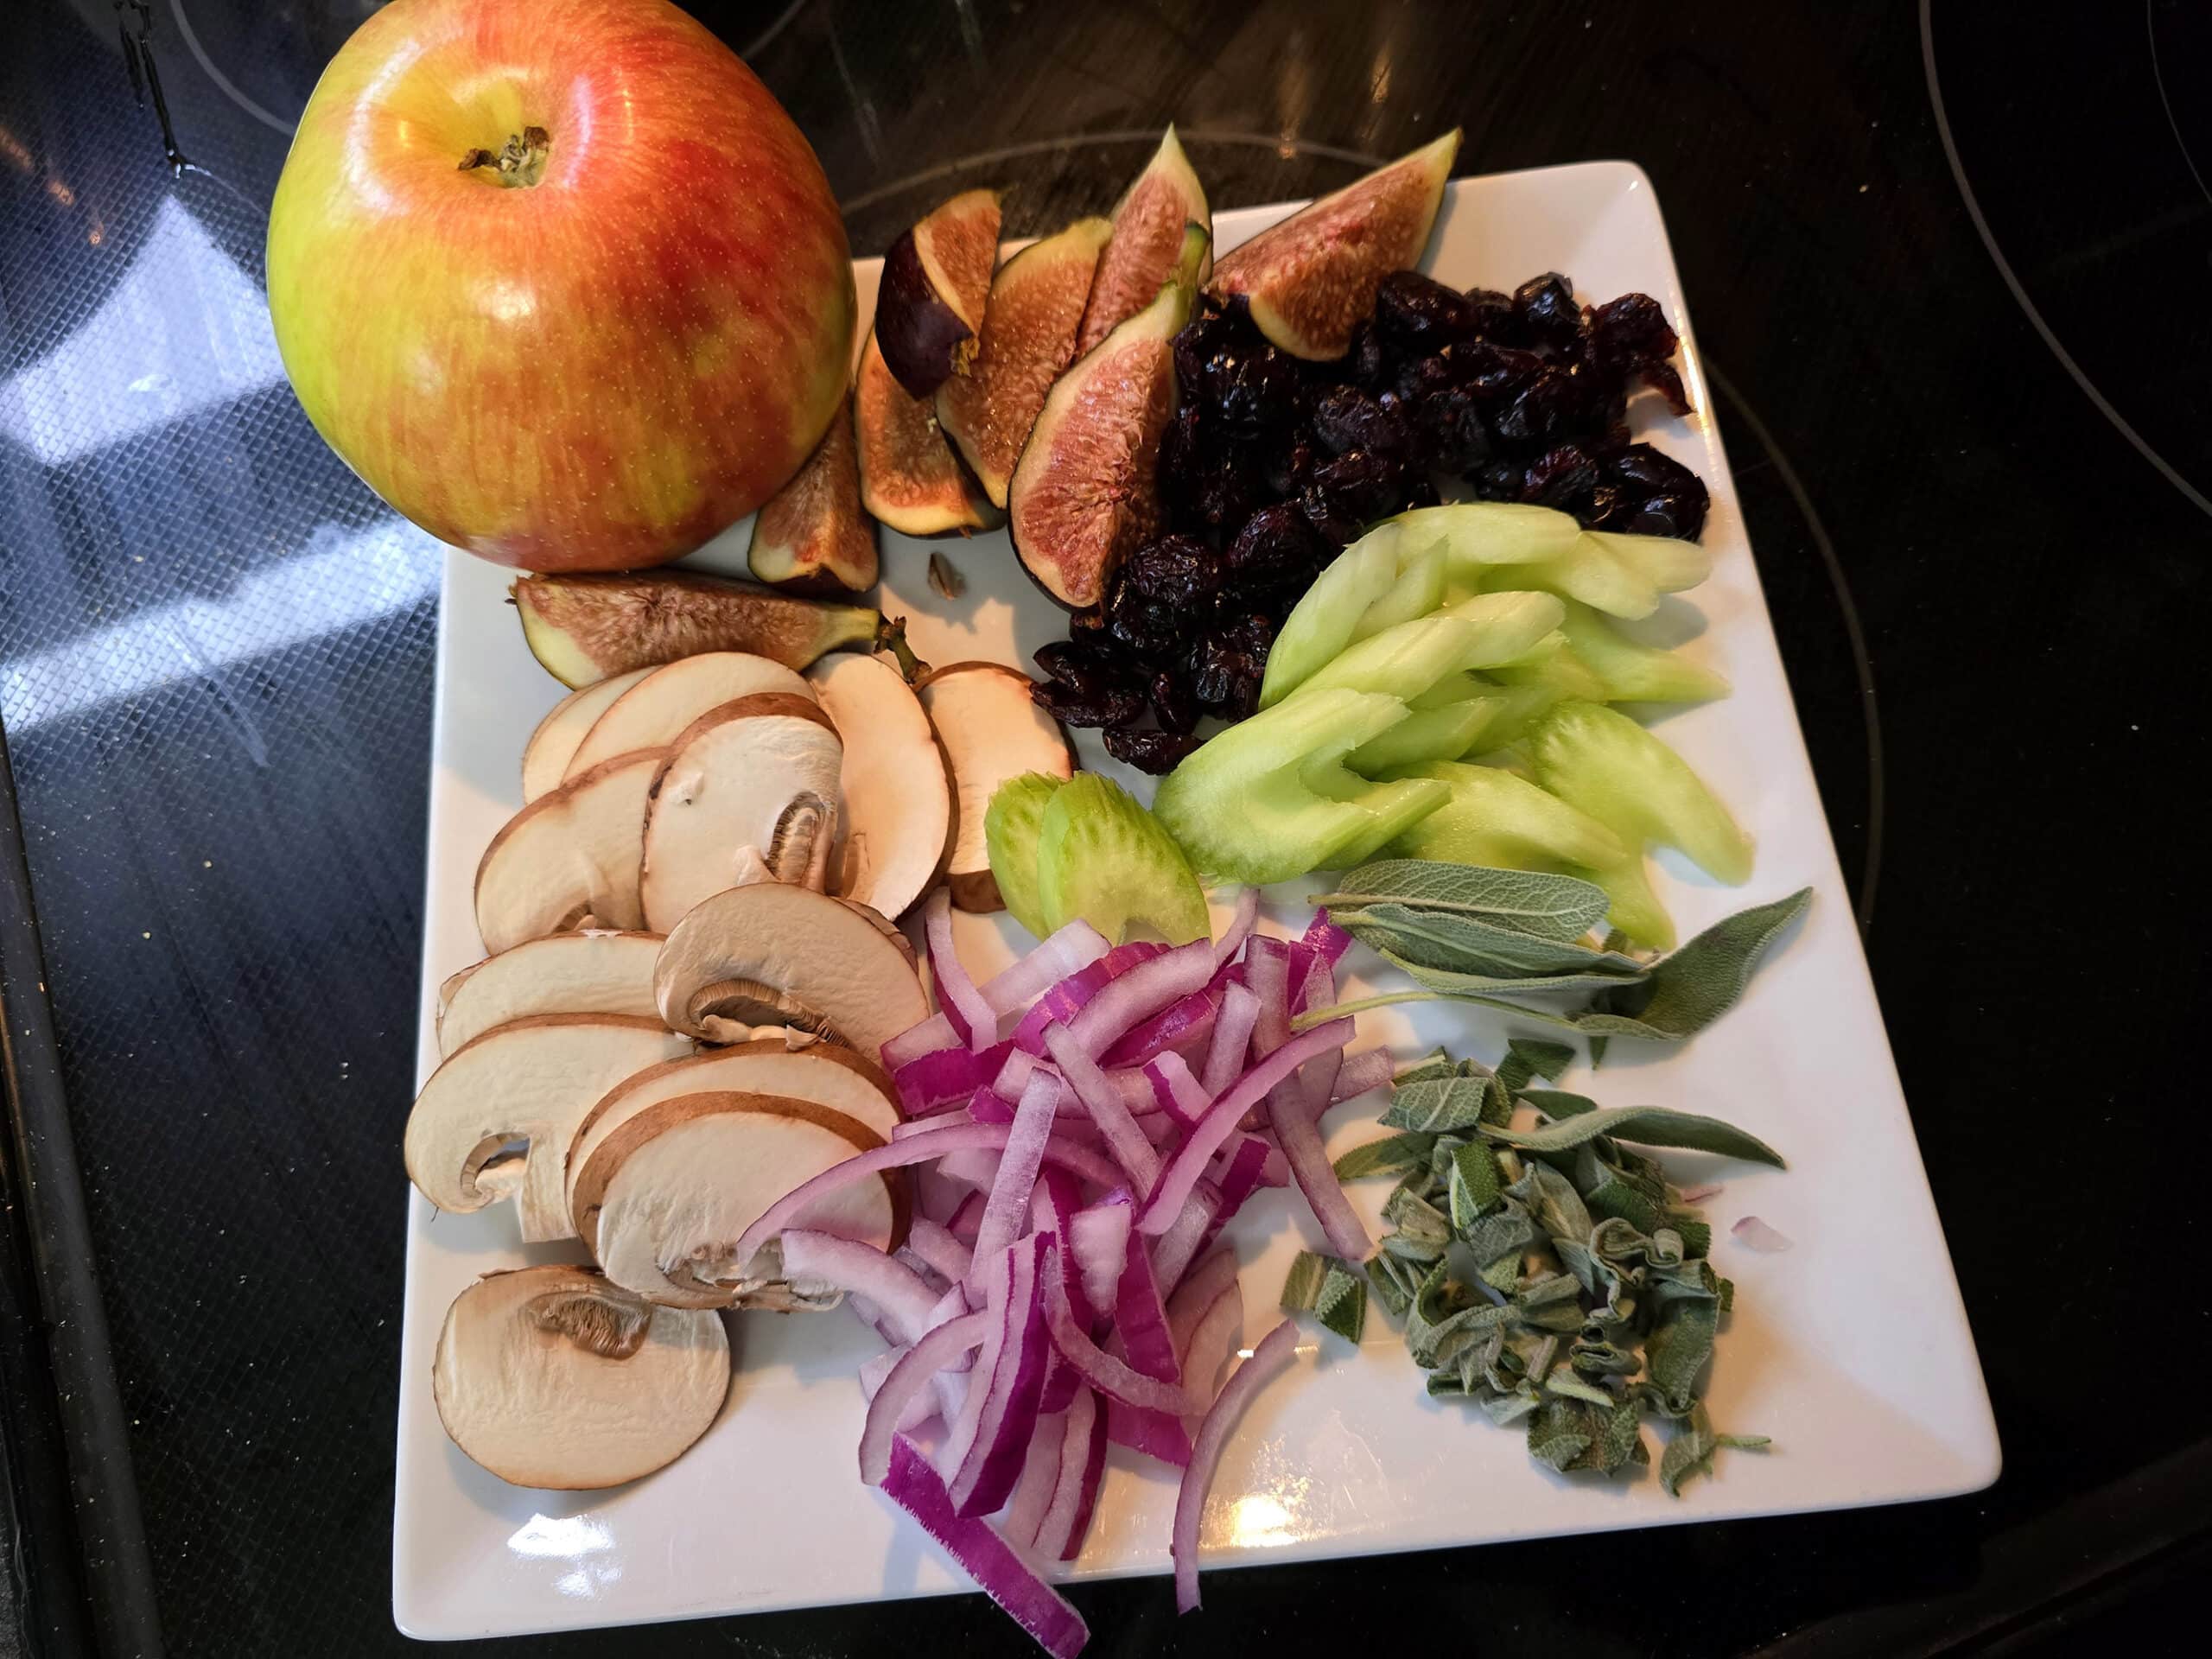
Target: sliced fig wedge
column 1029, row 335
column 909, row 479
column 812, row 537
column 929, row 311
column 1310, row 278
column 1148, row 242
column 586, row 627
column 1086, row 489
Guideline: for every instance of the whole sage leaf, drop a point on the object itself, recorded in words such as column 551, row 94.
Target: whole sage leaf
column 1454, row 982
column 1525, row 1059
column 1649, row 1126
column 1562, row 907
column 1688, row 990
column 1452, row 940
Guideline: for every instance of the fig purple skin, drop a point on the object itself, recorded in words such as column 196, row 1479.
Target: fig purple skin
column 917, row 332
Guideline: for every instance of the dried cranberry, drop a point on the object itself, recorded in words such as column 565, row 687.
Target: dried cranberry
column 1419, row 490
column 1630, row 331
column 1448, row 429
column 1496, row 481
column 1365, row 362
column 1548, row 408
column 1563, row 478
column 1358, row 485
column 1667, row 381
column 1073, row 662
column 1258, row 390
column 1275, row 545
column 1153, row 752
column 1494, row 372
column 1209, row 336
column 1640, row 464
column 1546, row 310
column 1229, row 490
column 1108, row 705
column 1173, row 702
column 1413, row 313
column 1291, row 462
column 1493, row 314
column 1175, row 570
column 1348, row 418
column 1149, row 628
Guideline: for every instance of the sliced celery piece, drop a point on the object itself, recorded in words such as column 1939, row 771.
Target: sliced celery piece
column 1405, row 661
column 1620, row 774
column 1454, row 688
column 1563, row 673
column 1418, row 590
column 1321, row 623
column 1625, row 671
column 1667, row 562
column 1636, row 910
column 1517, row 706
column 1011, row 826
column 1426, row 735
column 1482, row 533
column 1392, row 808
column 1586, row 571
column 1501, row 822
column 1263, row 802
column 1102, row 857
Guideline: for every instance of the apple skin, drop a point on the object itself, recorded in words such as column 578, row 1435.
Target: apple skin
column 597, row 372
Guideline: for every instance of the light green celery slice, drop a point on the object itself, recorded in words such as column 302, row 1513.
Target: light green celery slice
column 1244, row 806
column 1586, row 571
column 1321, row 623
column 1667, row 562
column 1563, row 673
column 1605, row 764
column 1392, row 808
column 1498, row 821
column 1102, row 857
column 1011, row 824
column 1426, row 735
column 1418, row 590
column 1407, row 660
column 1482, row 533
column 1626, row 672
column 1636, row 910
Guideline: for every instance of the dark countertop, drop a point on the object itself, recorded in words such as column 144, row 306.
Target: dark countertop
column 1950, row 274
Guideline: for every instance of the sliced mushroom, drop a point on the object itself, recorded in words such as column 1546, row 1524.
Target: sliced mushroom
column 554, row 1378
column 772, row 954
column 570, row 858
column 894, row 819
column 666, row 700
column 992, row 730
column 824, row 1073
column 530, row 1081
column 593, row 972
column 545, row 758
column 750, row 783
column 662, row 1201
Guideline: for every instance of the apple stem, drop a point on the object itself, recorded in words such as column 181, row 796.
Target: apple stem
column 521, row 162
column 891, row 636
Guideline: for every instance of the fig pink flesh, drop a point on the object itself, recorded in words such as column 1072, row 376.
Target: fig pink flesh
column 1097, row 498
column 1147, row 242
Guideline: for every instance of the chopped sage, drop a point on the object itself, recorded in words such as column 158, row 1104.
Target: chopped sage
column 1334, row 1292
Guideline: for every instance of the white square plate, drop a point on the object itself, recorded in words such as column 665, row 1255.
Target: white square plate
column 1850, row 1349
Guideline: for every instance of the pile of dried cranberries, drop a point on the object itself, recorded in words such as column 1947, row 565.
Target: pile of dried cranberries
column 1274, row 463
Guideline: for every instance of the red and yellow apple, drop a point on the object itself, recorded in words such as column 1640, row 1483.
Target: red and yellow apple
column 558, row 278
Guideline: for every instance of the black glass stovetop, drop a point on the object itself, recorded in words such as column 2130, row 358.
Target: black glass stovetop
column 1951, row 270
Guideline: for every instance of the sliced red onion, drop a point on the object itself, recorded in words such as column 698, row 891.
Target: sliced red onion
column 915, row 1149
column 1040, row 1477
column 1179, row 1027
column 1179, row 1093
column 1274, row 1353
column 1232, row 1038
column 910, row 1044
column 1299, row 1132
column 1014, row 1073
column 1362, row 1073
column 903, row 1384
column 1109, row 1375
column 1211, row 1274
column 1246, row 1174
column 920, row 1407
column 945, row 1254
column 1142, row 992
column 898, row 1292
column 1757, row 1234
column 967, row 1219
column 978, row 1169
column 972, row 1022
column 1316, row 1082
column 1141, row 1317
column 1069, row 950
column 998, row 1570
column 1008, row 1393
column 1165, row 1199
column 945, row 1077
column 1193, row 1225
column 1098, row 1242
column 1213, row 1339
column 1082, row 1466
column 1153, row 1433
column 1061, row 1383
column 931, row 1125
column 988, row 1106
column 1132, row 1149
column 1027, row 1139
column 1065, row 999
column 1053, row 1206
column 905, row 1256
column 1701, row 1194
column 1325, row 939
column 1240, row 927
column 1267, row 970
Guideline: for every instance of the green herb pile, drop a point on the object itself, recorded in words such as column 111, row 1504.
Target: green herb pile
column 1477, row 935
column 1551, row 1275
